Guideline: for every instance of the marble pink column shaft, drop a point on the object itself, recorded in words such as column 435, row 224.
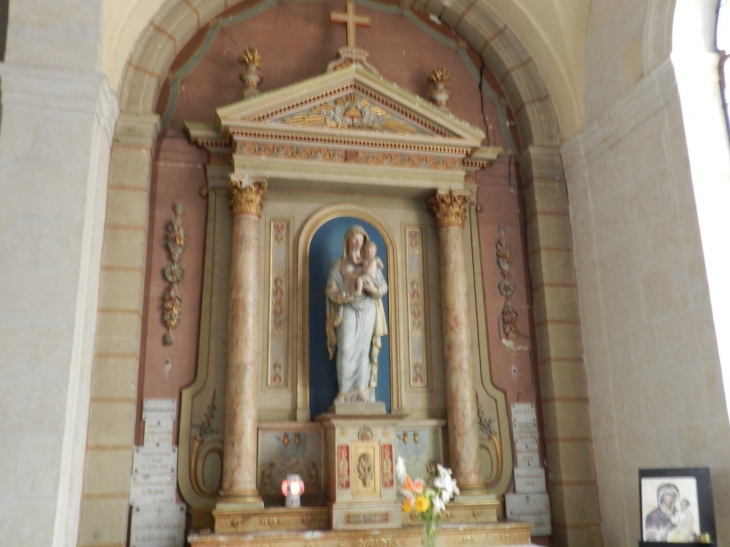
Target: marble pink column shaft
column 460, row 394
column 238, row 482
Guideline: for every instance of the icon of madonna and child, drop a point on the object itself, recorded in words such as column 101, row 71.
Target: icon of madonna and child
column 355, row 316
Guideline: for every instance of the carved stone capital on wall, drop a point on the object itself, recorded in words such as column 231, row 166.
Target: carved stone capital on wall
column 449, row 208
column 246, row 195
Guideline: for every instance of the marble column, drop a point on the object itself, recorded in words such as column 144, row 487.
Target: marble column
column 460, row 395
column 238, row 483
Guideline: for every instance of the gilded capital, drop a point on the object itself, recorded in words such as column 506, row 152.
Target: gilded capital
column 449, row 208
column 247, row 196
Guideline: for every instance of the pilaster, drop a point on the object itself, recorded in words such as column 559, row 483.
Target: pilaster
column 54, row 157
column 569, row 445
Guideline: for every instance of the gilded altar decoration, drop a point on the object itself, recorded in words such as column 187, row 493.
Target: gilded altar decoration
column 173, row 272
column 365, row 469
column 386, row 458
column 417, row 344
column 365, row 433
column 246, row 195
column 277, row 302
column 414, row 298
column 251, row 76
column 352, row 111
column 408, row 160
column 509, row 317
column 449, row 208
column 439, row 79
column 343, row 466
column 278, row 339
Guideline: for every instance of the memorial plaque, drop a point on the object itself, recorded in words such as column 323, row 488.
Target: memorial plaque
column 158, row 433
column 526, row 442
column 532, row 508
column 528, row 459
column 523, row 413
column 158, row 409
column 529, row 428
column 155, row 461
column 151, row 489
column 530, row 480
column 158, row 526
column 159, row 405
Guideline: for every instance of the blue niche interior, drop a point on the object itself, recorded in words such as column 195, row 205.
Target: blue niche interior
column 327, row 245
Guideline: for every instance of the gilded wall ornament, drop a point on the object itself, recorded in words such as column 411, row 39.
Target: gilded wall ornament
column 509, row 317
column 449, row 208
column 173, row 272
column 246, row 195
column 439, row 79
column 251, row 76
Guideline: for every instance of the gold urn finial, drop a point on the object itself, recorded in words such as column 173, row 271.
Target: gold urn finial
column 439, row 79
column 251, row 76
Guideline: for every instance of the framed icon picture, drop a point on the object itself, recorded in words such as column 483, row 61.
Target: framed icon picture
column 676, row 505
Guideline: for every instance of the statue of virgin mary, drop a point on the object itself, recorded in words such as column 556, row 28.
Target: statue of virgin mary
column 355, row 323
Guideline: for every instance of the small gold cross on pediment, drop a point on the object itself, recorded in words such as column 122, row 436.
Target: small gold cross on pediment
column 352, row 21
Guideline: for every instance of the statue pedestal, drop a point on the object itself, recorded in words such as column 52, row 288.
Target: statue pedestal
column 360, row 459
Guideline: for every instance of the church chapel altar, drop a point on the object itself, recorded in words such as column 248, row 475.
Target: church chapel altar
column 288, row 171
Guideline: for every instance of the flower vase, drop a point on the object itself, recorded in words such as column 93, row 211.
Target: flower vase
column 429, row 533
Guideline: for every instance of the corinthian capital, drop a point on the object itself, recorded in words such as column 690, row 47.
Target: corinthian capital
column 449, row 208
column 246, row 195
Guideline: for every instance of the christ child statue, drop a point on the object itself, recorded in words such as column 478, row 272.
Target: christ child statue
column 370, row 266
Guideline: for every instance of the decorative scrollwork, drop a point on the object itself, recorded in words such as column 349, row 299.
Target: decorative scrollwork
column 173, row 272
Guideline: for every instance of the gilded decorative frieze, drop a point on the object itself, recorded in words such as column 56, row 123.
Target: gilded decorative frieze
column 448, row 207
column 408, row 160
column 173, row 272
column 351, row 111
column 246, row 195
column 371, row 542
column 290, row 151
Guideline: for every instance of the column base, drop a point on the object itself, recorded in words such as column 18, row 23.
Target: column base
column 239, row 501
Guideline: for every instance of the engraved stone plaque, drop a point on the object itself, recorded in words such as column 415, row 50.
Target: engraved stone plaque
column 526, row 442
column 158, row 526
column 528, row 459
column 158, row 409
column 530, row 480
column 158, row 433
column 151, row 489
column 534, row 508
column 523, row 413
column 159, row 405
column 155, row 461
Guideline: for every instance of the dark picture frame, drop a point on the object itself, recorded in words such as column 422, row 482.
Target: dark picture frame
column 676, row 506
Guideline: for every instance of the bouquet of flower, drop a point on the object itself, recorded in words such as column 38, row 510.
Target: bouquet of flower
column 428, row 500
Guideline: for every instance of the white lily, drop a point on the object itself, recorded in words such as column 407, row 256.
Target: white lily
column 400, row 469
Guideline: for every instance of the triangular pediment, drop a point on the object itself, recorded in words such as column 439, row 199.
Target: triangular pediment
column 351, row 101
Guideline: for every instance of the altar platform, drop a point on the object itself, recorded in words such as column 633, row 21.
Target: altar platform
column 448, row 535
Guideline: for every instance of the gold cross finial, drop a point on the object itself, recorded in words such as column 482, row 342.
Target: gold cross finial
column 351, row 20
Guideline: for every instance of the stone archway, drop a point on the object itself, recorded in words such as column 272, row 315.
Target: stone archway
column 557, row 325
